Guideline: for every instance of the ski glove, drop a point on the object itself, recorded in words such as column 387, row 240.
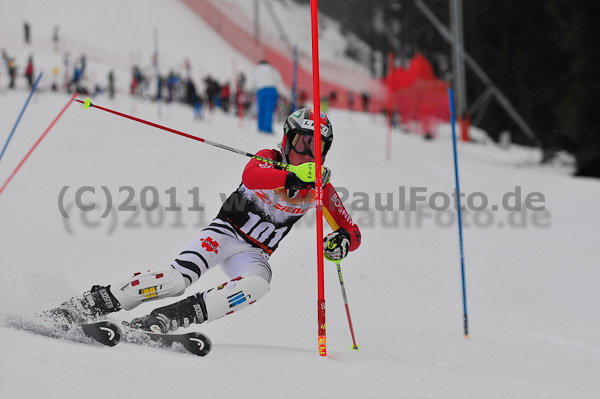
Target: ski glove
column 336, row 245
column 295, row 182
column 307, row 172
column 326, row 175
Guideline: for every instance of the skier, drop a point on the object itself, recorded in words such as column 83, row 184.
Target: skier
column 249, row 227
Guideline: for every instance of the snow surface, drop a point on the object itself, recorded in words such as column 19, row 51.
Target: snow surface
column 532, row 291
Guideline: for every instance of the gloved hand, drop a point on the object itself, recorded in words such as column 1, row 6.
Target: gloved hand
column 306, row 173
column 326, row 175
column 336, row 245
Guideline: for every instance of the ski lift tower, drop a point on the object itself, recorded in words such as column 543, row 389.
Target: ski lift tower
column 458, row 62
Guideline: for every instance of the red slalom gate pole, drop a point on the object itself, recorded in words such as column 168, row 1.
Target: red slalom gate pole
column 36, row 144
column 319, row 179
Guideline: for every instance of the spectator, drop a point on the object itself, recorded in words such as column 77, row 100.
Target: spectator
column 83, row 64
column 27, row 32
column 111, row 84
column 351, row 100
column 159, row 87
column 29, row 71
column 135, row 79
column 55, row 38
column 240, row 95
column 212, row 90
column 333, row 98
column 193, row 99
column 225, row 94
column 55, row 72
column 7, row 60
column 267, row 79
column 12, row 72
column 172, row 83
column 77, row 72
column 365, row 101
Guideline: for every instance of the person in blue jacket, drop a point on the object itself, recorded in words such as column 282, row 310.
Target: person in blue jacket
column 267, row 79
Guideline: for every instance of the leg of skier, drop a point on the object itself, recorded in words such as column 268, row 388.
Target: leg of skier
column 211, row 247
column 250, row 275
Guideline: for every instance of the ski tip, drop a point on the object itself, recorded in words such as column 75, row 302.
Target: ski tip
column 104, row 332
column 201, row 345
column 87, row 103
column 356, row 347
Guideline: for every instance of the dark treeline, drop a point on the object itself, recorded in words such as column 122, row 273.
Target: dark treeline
column 544, row 55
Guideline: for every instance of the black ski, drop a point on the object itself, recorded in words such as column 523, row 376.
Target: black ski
column 103, row 332
column 193, row 342
column 110, row 334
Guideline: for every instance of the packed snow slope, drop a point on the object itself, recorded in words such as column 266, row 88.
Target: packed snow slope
column 532, row 276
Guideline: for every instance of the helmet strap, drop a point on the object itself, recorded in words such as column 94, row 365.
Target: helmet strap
column 283, row 154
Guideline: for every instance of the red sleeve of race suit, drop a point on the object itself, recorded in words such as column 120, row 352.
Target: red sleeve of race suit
column 263, row 175
column 338, row 217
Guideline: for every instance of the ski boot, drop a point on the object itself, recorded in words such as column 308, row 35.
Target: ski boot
column 97, row 302
column 191, row 310
column 207, row 306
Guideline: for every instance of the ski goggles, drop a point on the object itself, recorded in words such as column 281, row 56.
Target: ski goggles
column 304, row 143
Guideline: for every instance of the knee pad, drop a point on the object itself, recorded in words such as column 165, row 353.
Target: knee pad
column 234, row 295
column 148, row 286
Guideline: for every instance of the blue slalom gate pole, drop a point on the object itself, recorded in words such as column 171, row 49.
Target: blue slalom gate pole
column 460, row 232
column 20, row 115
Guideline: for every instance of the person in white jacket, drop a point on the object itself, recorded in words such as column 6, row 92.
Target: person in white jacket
column 267, row 79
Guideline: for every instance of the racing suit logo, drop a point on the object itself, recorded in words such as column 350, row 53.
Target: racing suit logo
column 210, row 245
